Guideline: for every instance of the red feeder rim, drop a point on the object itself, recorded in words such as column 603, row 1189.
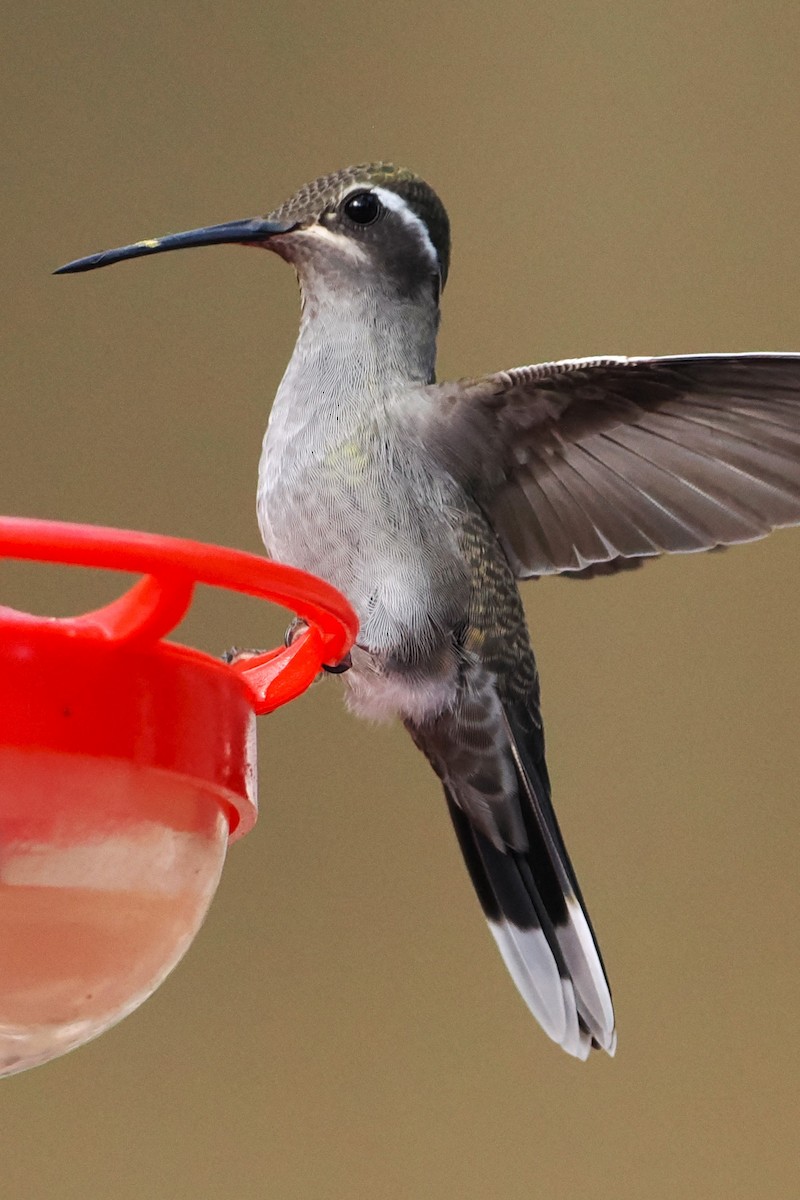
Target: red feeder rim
column 158, row 601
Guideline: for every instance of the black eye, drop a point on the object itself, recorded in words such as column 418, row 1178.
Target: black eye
column 363, row 208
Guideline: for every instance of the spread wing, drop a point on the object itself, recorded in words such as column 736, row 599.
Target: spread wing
column 607, row 460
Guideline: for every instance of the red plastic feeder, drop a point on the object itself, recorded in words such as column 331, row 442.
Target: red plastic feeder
column 126, row 765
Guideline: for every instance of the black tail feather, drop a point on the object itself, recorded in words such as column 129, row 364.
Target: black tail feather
column 534, row 907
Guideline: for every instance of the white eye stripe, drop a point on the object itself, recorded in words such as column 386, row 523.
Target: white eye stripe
column 345, row 244
column 397, row 204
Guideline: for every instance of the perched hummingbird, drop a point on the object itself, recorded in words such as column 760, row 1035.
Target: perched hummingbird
column 425, row 502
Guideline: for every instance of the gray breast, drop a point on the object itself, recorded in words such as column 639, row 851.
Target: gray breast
column 369, row 515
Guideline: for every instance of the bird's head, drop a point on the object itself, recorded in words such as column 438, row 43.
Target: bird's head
column 370, row 226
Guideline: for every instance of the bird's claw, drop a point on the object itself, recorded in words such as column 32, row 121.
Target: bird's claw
column 294, row 630
column 339, row 668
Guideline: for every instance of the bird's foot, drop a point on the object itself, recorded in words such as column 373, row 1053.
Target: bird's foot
column 299, row 626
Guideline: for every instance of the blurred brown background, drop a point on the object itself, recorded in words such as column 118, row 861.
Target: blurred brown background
column 622, row 177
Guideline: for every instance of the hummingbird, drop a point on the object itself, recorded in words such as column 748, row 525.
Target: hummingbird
column 426, row 503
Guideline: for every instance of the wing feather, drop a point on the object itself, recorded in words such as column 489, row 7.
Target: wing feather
column 598, row 461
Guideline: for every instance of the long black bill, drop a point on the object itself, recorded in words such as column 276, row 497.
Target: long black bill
column 255, row 230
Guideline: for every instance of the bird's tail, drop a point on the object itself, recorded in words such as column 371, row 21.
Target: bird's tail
column 533, row 904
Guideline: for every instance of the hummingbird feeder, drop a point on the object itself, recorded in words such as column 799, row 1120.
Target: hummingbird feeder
column 127, row 764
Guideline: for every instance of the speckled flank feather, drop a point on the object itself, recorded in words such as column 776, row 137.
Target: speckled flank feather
column 488, row 749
